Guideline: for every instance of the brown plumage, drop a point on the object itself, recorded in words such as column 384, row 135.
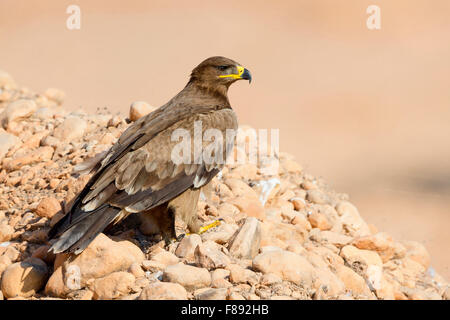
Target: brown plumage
column 137, row 174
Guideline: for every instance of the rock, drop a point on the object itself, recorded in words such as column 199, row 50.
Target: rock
column 287, row 265
column 7, row 141
column 165, row 258
column 353, row 281
column 351, row 220
column 39, row 155
column 318, row 197
column 319, row 220
column 138, row 109
column 163, row 291
column 247, row 241
column 35, row 140
column 235, row 296
column 250, row 207
column 417, row 252
column 269, row 279
column 239, row 274
column 71, row 129
column 281, row 234
column 6, row 232
column 113, row 285
column 24, row 278
column 187, row 246
column 102, row 257
column 240, row 189
column 43, row 254
column 56, row 95
column 48, row 207
column 51, row 141
column 212, row 294
column 446, row 295
column 219, row 278
column 17, row 110
column 380, row 242
column 209, row 255
column 188, row 276
column 336, row 239
column 136, row 270
column 153, row 266
column 222, row 234
column 43, row 113
column 328, row 283
column 364, row 262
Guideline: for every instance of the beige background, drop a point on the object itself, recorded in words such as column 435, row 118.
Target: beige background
column 367, row 110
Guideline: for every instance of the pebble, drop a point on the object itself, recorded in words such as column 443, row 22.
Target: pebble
column 189, row 277
column 24, row 279
column 138, row 109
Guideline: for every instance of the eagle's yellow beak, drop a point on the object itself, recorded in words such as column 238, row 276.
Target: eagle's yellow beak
column 242, row 73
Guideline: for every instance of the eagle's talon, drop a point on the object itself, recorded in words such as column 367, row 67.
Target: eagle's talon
column 210, row 226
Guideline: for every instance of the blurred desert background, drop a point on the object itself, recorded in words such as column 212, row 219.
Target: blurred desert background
column 368, row 110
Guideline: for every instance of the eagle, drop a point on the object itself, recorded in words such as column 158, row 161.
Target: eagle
column 138, row 173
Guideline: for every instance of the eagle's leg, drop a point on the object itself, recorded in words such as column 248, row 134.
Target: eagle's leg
column 160, row 219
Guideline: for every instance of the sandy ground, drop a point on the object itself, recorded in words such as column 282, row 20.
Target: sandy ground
column 368, row 110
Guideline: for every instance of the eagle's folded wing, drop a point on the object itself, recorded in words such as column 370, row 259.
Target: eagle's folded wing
column 138, row 173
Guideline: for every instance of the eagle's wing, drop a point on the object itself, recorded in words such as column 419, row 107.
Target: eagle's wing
column 138, row 173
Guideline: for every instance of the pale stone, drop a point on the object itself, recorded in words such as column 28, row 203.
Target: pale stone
column 247, row 241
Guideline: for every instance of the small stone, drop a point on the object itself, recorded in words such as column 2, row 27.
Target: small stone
column 102, row 257
column 153, row 266
column 24, row 278
column 247, row 241
column 165, row 258
column 269, row 279
column 222, row 234
column 212, row 294
column 219, row 278
column 239, row 274
column 319, row 220
column 381, row 242
column 163, row 291
column 55, row 95
column 235, row 296
column 287, row 265
column 71, row 129
column 250, row 207
column 208, row 255
column 318, row 197
column 188, row 276
column 43, row 113
column 39, row 155
column 113, row 285
column 6, row 232
column 35, row 140
column 351, row 220
column 334, row 238
column 187, row 246
column 7, row 141
column 17, row 110
column 138, row 109
column 417, row 252
column 353, row 281
column 43, row 254
column 48, row 207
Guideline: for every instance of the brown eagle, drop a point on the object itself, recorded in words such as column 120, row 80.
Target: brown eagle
column 138, row 174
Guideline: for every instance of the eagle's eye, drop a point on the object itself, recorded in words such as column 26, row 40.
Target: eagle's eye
column 222, row 68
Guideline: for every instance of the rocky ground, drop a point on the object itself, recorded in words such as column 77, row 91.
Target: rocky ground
column 281, row 236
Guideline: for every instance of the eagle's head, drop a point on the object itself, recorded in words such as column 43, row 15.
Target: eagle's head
column 219, row 71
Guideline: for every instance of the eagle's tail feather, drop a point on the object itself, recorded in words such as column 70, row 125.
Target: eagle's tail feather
column 77, row 238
